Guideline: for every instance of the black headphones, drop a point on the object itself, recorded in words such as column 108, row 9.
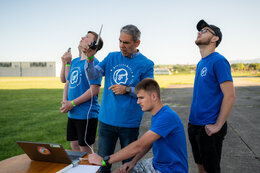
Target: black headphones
column 94, row 44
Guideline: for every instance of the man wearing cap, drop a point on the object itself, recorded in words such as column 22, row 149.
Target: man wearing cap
column 213, row 99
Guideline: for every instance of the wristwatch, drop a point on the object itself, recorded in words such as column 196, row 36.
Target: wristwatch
column 128, row 89
column 106, row 159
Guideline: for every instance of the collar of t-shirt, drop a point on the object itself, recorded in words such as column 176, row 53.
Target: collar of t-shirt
column 135, row 54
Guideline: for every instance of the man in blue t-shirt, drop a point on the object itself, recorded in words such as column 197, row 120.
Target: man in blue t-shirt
column 166, row 137
column 120, row 116
column 80, row 98
column 213, row 99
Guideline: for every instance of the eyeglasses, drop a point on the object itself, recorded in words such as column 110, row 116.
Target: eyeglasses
column 203, row 31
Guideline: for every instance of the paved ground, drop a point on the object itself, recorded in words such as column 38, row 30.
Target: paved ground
column 241, row 150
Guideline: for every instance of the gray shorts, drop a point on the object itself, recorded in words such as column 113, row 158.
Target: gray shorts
column 145, row 166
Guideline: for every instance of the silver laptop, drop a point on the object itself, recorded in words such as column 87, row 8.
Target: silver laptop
column 49, row 152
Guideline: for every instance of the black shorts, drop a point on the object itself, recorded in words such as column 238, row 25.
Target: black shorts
column 76, row 131
column 206, row 149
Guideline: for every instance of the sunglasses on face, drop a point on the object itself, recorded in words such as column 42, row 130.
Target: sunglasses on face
column 203, row 31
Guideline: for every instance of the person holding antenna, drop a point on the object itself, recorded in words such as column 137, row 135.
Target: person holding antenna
column 120, row 116
column 80, row 98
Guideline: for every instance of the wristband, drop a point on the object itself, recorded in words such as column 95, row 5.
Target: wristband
column 103, row 162
column 67, row 65
column 90, row 57
column 73, row 104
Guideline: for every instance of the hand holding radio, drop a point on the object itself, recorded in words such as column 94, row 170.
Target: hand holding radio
column 87, row 51
column 90, row 49
column 67, row 57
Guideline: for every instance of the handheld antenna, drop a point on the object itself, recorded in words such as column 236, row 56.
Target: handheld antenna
column 99, row 34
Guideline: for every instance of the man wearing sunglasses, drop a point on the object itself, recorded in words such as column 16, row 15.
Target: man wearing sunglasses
column 213, row 99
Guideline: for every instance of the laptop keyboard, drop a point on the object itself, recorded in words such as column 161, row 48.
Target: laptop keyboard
column 74, row 155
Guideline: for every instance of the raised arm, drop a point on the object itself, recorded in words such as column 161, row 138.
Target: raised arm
column 66, row 62
column 62, row 72
column 92, row 71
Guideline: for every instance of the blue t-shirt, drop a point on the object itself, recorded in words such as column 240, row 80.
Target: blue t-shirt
column 170, row 150
column 78, row 85
column 123, row 110
column 207, row 95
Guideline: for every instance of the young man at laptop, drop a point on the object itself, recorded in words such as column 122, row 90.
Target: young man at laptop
column 166, row 136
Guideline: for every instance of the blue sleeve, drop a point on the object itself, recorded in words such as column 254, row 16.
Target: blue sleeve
column 92, row 71
column 149, row 72
column 164, row 125
column 133, row 92
column 103, row 63
column 222, row 71
column 96, row 81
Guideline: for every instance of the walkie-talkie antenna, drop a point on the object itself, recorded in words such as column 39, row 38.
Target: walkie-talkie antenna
column 99, row 34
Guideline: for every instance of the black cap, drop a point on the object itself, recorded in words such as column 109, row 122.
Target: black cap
column 202, row 24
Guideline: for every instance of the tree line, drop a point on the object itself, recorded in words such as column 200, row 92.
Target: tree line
column 192, row 68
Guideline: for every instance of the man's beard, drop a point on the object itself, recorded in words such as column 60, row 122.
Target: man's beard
column 201, row 42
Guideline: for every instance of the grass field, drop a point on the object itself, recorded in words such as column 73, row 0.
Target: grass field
column 30, row 110
column 54, row 82
column 30, row 115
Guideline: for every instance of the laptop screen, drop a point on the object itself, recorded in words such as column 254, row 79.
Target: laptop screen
column 49, row 152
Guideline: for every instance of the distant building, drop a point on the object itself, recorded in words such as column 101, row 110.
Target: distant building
column 162, row 71
column 12, row 69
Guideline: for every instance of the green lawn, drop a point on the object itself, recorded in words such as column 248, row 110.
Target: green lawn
column 54, row 82
column 30, row 115
column 166, row 80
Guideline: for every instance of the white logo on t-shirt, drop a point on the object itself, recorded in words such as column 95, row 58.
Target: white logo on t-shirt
column 120, row 76
column 203, row 72
column 75, row 77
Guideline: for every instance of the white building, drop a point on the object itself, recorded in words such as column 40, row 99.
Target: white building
column 162, row 71
column 11, row 69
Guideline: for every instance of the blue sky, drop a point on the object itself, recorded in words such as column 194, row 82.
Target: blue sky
column 34, row 30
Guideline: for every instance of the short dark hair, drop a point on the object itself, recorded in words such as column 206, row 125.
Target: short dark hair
column 100, row 43
column 133, row 31
column 149, row 85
